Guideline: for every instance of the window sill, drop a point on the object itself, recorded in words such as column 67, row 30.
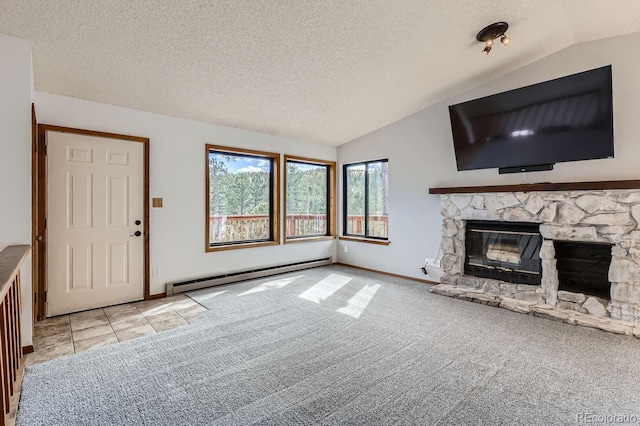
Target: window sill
column 242, row 246
column 309, row 239
column 366, row 240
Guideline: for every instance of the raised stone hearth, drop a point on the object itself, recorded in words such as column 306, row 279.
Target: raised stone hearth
column 595, row 216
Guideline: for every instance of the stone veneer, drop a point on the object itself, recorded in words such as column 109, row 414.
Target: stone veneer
column 606, row 216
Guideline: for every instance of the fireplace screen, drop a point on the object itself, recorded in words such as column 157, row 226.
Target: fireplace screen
column 503, row 251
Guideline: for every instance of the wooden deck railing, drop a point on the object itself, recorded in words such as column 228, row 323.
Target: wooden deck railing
column 256, row 227
column 239, row 228
column 306, row 224
column 378, row 225
column 11, row 359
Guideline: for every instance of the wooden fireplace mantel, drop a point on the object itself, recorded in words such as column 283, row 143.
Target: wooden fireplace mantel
column 546, row 186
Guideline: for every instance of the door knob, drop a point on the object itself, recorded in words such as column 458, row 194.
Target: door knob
column 136, row 234
column 137, row 222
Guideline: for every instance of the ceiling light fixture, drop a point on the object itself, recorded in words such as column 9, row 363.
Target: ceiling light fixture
column 492, row 32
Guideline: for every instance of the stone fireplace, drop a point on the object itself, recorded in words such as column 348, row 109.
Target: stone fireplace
column 587, row 249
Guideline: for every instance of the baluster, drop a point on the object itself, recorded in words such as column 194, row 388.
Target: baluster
column 3, row 383
column 18, row 328
column 234, row 227
column 6, row 385
column 289, row 226
column 10, row 336
column 10, row 343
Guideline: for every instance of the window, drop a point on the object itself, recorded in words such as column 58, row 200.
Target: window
column 242, row 198
column 309, row 198
column 366, row 194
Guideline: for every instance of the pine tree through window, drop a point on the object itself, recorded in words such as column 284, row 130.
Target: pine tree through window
column 310, row 191
column 242, row 188
column 366, row 199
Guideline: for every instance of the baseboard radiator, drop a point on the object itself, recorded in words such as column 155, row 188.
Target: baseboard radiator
column 232, row 277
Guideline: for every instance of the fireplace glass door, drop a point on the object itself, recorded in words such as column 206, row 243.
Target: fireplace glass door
column 503, row 251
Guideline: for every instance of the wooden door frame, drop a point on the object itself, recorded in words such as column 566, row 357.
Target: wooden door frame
column 35, row 243
column 40, row 199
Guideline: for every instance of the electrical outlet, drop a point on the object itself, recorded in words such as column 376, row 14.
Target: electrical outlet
column 434, row 263
column 346, row 249
column 155, row 271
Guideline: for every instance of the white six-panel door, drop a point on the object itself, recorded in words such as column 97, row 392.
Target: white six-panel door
column 95, row 198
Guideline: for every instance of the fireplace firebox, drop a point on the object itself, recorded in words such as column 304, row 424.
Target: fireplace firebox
column 584, row 267
column 504, row 251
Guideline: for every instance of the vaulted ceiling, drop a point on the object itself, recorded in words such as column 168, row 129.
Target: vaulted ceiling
column 325, row 71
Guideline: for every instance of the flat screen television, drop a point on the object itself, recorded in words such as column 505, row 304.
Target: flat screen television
column 534, row 127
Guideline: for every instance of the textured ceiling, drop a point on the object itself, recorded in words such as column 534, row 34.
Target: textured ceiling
column 325, row 71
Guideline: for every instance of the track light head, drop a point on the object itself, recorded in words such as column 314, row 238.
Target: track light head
column 492, row 32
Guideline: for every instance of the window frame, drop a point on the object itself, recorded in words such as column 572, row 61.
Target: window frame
column 358, row 237
column 274, row 197
column 331, row 197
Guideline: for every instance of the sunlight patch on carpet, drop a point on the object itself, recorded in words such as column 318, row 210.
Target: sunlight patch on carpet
column 209, row 295
column 325, row 288
column 271, row 285
column 359, row 302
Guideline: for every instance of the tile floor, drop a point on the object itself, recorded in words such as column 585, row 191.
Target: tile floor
column 68, row 334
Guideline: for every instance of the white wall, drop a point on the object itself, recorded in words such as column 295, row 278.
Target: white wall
column 177, row 174
column 420, row 152
column 15, row 159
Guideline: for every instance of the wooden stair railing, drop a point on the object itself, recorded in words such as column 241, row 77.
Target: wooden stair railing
column 11, row 359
